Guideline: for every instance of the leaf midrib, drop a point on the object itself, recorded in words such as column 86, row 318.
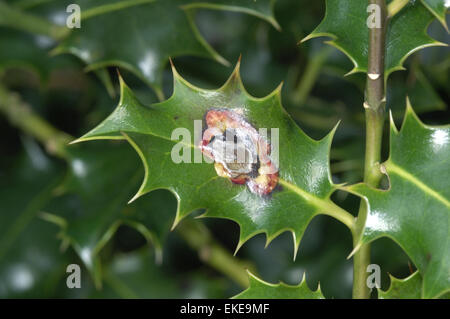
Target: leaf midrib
column 326, row 206
column 392, row 167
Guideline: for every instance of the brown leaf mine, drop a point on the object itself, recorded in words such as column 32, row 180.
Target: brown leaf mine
column 239, row 152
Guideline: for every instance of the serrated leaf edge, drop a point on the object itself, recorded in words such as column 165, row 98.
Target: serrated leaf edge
column 323, row 206
column 352, row 188
column 280, row 284
column 397, row 280
column 441, row 20
column 356, row 67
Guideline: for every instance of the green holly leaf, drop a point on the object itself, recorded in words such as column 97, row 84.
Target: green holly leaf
column 92, row 202
column 439, row 9
column 260, row 289
column 134, row 44
column 408, row 288
column 31, row 263
column 303, row 186
column 345, row 22
column 414, row 211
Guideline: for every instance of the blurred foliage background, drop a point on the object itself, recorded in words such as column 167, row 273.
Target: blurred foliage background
column 34, row 253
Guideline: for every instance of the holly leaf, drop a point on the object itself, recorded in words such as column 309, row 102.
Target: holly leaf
column 408, row 288
column 134, row 44
column 414, row 211
column 439, row 9
column 31, row 263
column 260, row 289
column 346, row 23
column 299, row 191
column 92, row 202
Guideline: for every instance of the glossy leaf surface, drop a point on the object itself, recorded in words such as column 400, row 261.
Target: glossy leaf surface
column 346, row 23
column 304, row 187
column 127, row 38
column 415, row 210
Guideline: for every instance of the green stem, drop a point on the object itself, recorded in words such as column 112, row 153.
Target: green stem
column 197, row 236
column 21, row 115
column 210, row 252
column 325, row 206
column 395, row 6
column 374, row 106
column 14, row 18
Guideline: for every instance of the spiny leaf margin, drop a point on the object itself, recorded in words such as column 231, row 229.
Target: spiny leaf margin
column 415, row 14
column 129, row 122
column 260, row 289
column 394, row 213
